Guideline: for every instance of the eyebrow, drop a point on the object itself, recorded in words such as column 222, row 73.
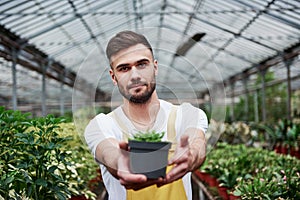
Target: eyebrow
column 137, row 62
column 143, row 60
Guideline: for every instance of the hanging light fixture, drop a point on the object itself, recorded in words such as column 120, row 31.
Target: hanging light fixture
column 182, row 49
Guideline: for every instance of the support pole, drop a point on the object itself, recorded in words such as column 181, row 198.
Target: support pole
column 246, row 106
column 232, row 101
column 289, row 89
column 44, row 92
column 263, row 95
column 62, row 95
column 14, row 77
column 256, row 116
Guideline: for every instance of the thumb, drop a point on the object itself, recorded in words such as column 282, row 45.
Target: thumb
column 180, row 149
column 123, row 145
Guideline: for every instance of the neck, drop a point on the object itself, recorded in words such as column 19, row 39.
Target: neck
column 142, row 115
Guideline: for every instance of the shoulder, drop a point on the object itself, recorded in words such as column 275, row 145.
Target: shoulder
column 103, row 126
column 189, row 108
column 165, row 105
column 95, row 124
column 185, row 107
column 101, row 120
column 107, row 116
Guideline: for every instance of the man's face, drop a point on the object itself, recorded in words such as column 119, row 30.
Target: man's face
column 134, row 71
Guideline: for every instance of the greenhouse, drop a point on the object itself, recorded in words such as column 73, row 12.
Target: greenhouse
column 230, row 69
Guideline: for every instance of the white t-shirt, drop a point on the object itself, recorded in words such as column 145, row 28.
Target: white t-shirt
column 104, row 126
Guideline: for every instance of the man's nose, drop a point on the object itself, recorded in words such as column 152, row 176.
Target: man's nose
column 135, row 73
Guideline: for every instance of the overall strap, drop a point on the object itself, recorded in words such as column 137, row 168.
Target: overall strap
column 171, row 124
column 171, row 129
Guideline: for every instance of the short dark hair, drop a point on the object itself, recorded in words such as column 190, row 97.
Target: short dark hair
column 124, row 40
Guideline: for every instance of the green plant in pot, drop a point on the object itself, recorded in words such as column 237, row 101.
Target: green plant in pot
column 148, row 154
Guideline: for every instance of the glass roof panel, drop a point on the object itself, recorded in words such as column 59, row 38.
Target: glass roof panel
column 238, row 34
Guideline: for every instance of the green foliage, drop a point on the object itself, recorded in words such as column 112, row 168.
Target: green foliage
column 148, row 136
column 36, row 161
column 232, row 133
column 254, row 173
column 264, row 134
column 283, row 132
column 276, row 97
column 81, row 157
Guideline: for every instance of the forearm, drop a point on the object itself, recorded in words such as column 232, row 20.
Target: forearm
column 197, row 146
column 108, row 152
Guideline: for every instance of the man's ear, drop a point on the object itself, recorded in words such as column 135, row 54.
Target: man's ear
column 113, row 77
column 156, row 67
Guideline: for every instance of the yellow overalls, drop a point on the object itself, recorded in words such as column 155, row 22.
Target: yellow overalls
column 171, row 191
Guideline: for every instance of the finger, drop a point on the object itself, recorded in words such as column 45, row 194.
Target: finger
column 176, row 173
column 177, row 169
column 162, row 182
column 181, row 149
column 123, row 145
column 152, row 182
column 129, row 179
column 181, row 155
column 138, row 186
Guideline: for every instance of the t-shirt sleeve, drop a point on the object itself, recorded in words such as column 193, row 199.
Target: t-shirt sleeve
column 99, row 129
column 190, row 116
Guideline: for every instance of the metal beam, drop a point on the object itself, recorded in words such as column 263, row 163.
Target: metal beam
column 56, row 25
column 200, row 12
column 87, row 27
column 32, row 58
column 277, row 18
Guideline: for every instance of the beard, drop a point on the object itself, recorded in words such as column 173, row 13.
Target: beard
column 139, row 98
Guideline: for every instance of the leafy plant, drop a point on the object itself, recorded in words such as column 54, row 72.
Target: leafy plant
column 254, row 173
column 86, row 168
column 152, row 136
column 228, row 179
column 36, row 161
column 270, row 183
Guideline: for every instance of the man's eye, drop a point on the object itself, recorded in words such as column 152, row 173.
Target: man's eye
column 122, row 69
column 142, row 65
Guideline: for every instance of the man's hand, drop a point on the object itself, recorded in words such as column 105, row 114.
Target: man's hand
column 188, row 156
column 126, row 178
column 181, row 161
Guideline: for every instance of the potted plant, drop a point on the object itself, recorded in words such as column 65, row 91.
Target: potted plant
column 148, row 154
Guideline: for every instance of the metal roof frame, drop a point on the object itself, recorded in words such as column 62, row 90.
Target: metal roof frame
column 242, row 37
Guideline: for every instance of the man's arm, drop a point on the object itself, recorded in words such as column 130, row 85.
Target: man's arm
column 197, row 145
column 189, row 155
column 107, row 153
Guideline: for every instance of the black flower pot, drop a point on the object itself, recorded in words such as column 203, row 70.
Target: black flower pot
column 149, row 158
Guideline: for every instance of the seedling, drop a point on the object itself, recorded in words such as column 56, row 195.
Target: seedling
column 148, row 136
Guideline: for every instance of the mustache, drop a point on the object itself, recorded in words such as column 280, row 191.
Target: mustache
column 136, row 83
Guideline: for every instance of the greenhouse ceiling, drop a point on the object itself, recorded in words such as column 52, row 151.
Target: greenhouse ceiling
column 198, row 44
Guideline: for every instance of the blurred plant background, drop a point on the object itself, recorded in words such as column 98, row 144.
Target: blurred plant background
column 44, row 158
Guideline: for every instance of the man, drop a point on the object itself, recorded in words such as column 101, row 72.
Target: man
column 133, row 70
